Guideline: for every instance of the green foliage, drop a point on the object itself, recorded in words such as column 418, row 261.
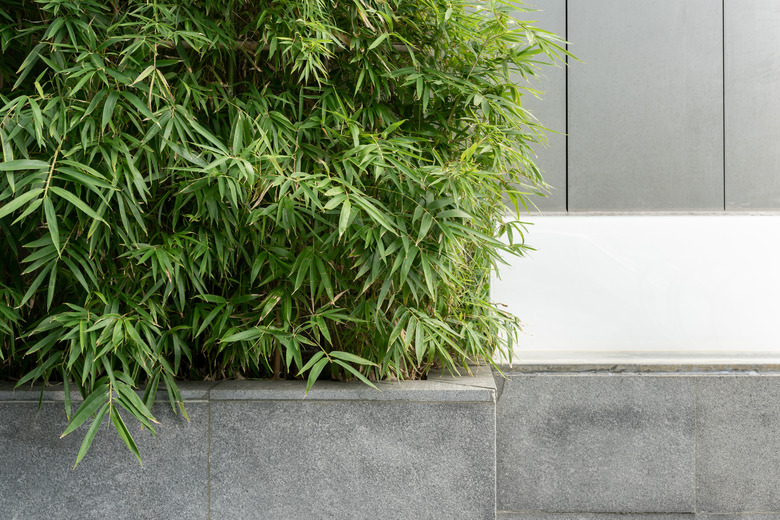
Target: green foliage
column 215, row 189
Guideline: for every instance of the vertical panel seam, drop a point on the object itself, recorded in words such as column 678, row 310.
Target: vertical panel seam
column 208, row 461
column 695, row 444
column 723, row 92
column 495, row 456
column 566, row 102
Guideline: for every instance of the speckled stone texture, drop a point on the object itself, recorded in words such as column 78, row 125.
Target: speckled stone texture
column 738, row 465
column 353, row 460
column 502, row 515
column 738, row 516
column 596, row 443
column 37, row 479
column 418, row 449
column 597, row 516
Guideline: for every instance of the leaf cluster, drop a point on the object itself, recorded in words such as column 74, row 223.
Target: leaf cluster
column 210, row 189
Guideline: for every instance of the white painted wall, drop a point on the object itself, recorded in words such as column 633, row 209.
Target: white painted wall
column 661, row 287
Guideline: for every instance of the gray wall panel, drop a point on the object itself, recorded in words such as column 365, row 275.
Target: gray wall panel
column 550, row 110
column 752, row 72
column 645, row 107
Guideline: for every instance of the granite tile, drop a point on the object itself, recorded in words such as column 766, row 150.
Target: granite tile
column 39, row 482
column 738, row 451
column 596, row 443
column 738, row 516
column 352, row 460
column 438, row 387
column 505, row 515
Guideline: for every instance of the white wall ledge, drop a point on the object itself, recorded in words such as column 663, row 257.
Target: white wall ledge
column 668, row 288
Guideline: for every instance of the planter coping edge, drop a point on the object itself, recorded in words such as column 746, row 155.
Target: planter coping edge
column 439, row 387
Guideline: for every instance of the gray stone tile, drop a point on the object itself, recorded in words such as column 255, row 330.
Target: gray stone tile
column 190, row 391
column 39, row 482
column 738, row 446
column 645, row 105
column 352, row 460
column 36, row 393
column 505, row 515
column 738, row 516
column 595, row 443
column 478, row 387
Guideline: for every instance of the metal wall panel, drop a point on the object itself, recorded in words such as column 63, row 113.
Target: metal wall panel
column 550, row 110
column 646, row 106
column 752, row 72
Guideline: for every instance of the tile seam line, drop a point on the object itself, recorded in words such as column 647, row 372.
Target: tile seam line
column 576, row 373
column 643, row 375
column 495, row 459
column 723, row 92
column 208, row 461
column 60, row 401
column 596, row 514
column 467, row 387
column 566, row 102
column 390, row 401
column 695, row 445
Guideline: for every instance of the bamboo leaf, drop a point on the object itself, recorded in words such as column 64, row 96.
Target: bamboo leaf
column 52, row 286
column 23, row 164
column 19, row 201
column 36, row 283
column 315, row 373
column 314, row 359
column 351, row 358
column 51, row 222
column 124, row 434
column 108, row 109
column 143, row 75
column 91, row 404
column 76, row 202
column 139, row 105
column 37, row 120
column 354, row 372
column 378, row 41
column 346, row 210
column 91, row 432
column 251, row 334
column 66, row 393
column 135, row 405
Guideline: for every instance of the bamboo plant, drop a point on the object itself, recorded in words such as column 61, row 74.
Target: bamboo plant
column 210, row 189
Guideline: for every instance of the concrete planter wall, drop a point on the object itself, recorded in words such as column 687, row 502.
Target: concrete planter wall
column 548, row 443
column 419, row 449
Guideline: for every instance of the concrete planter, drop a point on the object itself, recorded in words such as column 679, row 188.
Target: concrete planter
column 259, row 449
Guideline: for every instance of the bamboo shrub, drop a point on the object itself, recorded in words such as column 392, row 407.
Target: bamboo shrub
column 206, row 189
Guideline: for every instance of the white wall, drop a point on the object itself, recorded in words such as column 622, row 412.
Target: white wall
column 661, row 287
